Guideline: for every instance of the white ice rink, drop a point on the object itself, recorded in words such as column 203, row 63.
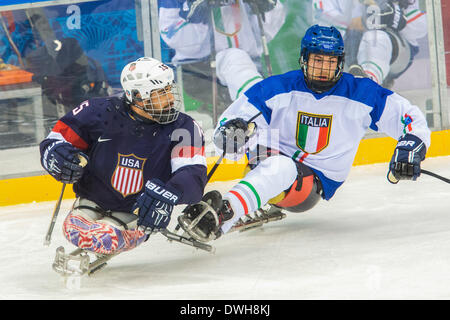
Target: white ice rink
column 373, row 240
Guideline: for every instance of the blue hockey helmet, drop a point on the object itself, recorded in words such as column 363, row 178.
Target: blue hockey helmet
column 326, row 41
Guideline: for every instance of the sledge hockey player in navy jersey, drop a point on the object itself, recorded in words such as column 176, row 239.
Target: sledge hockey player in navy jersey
column 143, row 157
column 306, row 128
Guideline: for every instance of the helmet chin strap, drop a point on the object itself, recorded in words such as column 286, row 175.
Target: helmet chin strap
column 136, row 115
column 159, row 119
column 320, row 86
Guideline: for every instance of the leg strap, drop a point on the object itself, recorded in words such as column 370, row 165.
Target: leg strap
column 103, row 213
column 304, row 193
column 303, row 172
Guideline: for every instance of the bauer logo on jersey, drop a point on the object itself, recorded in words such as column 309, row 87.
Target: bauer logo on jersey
column 313, row 131
column 128, row 176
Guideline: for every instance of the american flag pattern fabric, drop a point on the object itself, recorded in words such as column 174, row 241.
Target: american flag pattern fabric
column 99, row 237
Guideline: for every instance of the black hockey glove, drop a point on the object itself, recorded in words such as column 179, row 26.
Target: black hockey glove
column 64, row 162
column 233, row 135
column 405, row 163
column 155, row 206
column 390, row 15
column 195, row 11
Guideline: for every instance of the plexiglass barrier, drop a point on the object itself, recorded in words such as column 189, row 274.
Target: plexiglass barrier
column 58, row 54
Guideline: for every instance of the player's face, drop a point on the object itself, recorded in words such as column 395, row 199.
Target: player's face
column 160, row 102
column 322, row 67
column 162, row 99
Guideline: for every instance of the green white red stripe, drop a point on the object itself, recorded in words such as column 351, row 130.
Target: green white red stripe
column 413, row 15
column 233, row 11
column 247, row 196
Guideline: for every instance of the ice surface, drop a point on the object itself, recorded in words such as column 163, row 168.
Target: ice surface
column 373, row 240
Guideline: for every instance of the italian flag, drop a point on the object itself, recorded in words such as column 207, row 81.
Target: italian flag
column 313, row 131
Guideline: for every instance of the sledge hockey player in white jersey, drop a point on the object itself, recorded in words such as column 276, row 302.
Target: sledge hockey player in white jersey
column 143, row 157
column 312, row 121
column 381, row 36
column 226, row 29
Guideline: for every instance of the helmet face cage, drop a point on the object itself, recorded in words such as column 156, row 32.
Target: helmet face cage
column 325, row 41
column 310, row 68
column 163, row 105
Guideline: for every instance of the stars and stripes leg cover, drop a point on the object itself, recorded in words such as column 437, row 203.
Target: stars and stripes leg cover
column 94, row 232
column 270, row 177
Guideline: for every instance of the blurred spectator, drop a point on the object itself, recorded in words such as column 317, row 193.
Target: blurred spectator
column 191, row 28
column 380, row 35
column 66, row 74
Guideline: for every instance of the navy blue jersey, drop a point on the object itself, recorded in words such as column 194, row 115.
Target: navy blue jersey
column 124, row 152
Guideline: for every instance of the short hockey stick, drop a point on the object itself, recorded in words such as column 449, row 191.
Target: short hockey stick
column 48, row 236
column 259, row 16
column 216, row 165
column 435, row 175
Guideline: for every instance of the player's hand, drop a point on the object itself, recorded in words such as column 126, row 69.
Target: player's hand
column 64, row 162
column 390, row 15
column 195, row 11
column 393, row 17
column 155, row 205
column 405, row 163
column 232, row 135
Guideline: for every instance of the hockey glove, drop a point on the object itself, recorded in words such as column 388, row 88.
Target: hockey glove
column 64, row 162
column 405, row 163
column 195, row 11
column 233, row 135
column 393, row 17
column 155, row 205
column 390, row 16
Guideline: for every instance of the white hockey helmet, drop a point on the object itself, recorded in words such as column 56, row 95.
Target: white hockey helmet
column 145, row 75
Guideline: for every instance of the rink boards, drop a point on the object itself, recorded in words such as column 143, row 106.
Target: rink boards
column 45, row 188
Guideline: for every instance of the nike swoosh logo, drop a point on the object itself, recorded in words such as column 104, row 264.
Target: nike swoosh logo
column 100, row 139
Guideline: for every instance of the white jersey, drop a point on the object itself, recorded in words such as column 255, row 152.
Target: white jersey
column 324, row 130
column 235, row 27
